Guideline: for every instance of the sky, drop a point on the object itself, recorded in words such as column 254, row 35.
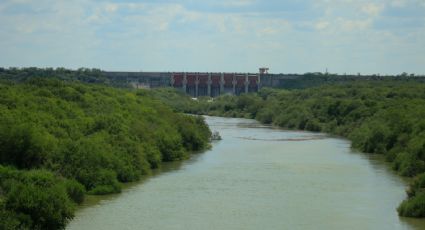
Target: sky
column 288, row 36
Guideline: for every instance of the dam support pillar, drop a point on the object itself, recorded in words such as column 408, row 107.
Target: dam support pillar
column 196, row 85
column 258, row 82
column 234, row 84
column 184, row 85
column 209, row 82
column 172, row 80
column 246, row 83
column 221, row 84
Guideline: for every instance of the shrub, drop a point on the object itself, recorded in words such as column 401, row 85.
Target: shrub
column 104, row 182
column 74, row 190
column 413, row 207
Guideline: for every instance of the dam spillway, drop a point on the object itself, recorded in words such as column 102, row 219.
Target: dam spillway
column 197, row 84
column 215, row 84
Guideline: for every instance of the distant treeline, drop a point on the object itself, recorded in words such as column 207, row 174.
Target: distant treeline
column 60, row 140
column 285, row 81
column 309, row 80
column 386, row 118
column 82, row 74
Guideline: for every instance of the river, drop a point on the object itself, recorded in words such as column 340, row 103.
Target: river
column 259, row 177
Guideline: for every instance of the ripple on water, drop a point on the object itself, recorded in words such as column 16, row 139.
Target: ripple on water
column 260, row 177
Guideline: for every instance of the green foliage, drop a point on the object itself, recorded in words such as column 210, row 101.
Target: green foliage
column 77, row 138
column 195, row 133
column 102, row 182
column 74, row 190
column 176, row 99
column 82, row 74
column 34, row 199
column 24, row 145
column 11, row 220
column 413, row 207
column 48, row 208
column 408, row 164
column 417, row 185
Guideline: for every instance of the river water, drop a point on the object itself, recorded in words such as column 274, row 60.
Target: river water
column 259, row 177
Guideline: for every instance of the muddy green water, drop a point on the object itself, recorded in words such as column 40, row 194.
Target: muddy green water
column 258, row 177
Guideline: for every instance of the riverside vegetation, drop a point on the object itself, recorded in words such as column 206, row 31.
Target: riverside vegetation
column 385, row 118
column 60, row 140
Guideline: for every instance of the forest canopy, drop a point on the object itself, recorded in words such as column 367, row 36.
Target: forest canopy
column 60, row 140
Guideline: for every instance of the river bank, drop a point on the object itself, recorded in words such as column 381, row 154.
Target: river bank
column 256, row 177
column 378, row 118
column 60, row 141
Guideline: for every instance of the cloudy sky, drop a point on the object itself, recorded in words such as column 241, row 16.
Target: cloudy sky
column 289, row 36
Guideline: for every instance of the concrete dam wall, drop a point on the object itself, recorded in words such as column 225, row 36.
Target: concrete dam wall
column 201, row 84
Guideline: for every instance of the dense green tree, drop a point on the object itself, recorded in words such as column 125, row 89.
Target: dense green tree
column 77, row 138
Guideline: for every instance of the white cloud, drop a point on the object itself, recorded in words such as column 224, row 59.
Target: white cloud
column 20, row 1
column 163, row 26
column 422, row 3
column 159, row 17
column 134, row 6
column 372, row 9
column 341, row 26
column 111, row 8
column 321, row 25
column 170, row 36
column 398, row 3
column 353, row 25
column 237, row 3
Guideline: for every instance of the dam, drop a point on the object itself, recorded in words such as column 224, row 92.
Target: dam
column 197, row 84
